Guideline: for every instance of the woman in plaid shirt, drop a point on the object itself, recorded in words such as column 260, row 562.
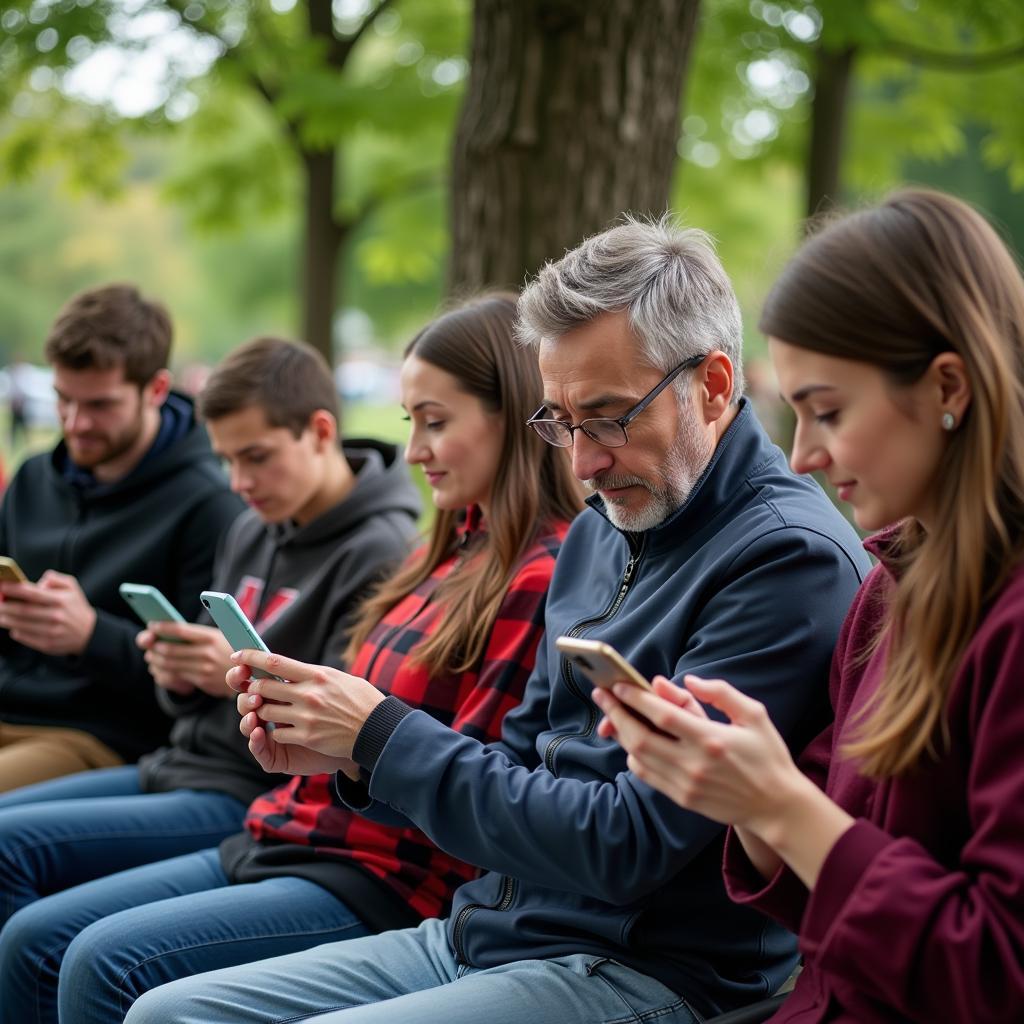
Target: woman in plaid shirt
column 454, row 633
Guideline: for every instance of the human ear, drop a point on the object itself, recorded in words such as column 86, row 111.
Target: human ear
column 155, row 392
column 950, row 385
column 324, row 427
column 716, row 385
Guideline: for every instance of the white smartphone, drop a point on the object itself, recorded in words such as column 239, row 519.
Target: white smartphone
column 600, row 662
column 235, row 626
column 150, row 605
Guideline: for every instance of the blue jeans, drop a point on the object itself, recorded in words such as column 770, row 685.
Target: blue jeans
column 410, row 976
column 61, row 833
column 93, row 950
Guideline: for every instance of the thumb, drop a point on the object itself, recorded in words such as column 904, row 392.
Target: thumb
column 736, row 706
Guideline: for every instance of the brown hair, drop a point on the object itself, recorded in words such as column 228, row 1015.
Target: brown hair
column 109, row 327
column 895, row 286
column 534, row 485
column 288, row 380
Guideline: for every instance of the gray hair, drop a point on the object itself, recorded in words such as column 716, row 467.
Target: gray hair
column 667, row 278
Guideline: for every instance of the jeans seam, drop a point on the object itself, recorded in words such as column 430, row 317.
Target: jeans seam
column 127, row 971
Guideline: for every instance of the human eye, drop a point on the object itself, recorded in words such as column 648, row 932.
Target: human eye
column 827, row 418
column 435, row 425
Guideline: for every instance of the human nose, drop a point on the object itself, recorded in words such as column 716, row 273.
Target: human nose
column 240, row 480
column 589, row 459
column 74, row 418
column 809, row 454
column 416, row 451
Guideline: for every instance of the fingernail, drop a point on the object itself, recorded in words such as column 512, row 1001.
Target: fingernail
column 235, row 655
column 253, row 699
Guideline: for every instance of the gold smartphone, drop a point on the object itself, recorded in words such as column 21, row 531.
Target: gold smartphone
column 600, row 662
column 10, row 571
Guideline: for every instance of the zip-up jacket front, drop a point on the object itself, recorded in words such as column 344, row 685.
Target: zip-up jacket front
column 748, row 581
column 300, row 587
column 160, row 525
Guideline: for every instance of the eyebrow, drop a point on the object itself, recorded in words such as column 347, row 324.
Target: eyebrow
column 595, row 403
column 86, row 401
column 249, row 449
column 807, row 391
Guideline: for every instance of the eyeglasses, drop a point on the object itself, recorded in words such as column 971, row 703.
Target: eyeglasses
column 611, row 433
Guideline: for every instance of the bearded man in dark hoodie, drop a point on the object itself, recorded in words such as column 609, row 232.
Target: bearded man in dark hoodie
column 326, row 520
column 131, row 492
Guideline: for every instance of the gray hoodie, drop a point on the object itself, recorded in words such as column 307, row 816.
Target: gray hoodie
column 299, row 586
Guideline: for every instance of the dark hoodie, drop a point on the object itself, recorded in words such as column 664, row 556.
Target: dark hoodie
column 299, row 586
column 160, row 525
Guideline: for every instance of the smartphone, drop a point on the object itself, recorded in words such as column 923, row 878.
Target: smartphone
column 10, row 571
column 237, row 629
column 600, row 662
column 151, row 606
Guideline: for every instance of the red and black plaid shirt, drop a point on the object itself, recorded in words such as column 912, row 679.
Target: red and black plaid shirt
column 305, row 811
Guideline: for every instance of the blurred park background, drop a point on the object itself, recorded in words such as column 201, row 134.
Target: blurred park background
column 338, row 171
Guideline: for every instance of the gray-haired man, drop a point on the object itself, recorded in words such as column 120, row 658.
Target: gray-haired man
column 701, row 552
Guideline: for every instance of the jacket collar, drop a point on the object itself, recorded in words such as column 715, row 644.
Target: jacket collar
column 741, row 451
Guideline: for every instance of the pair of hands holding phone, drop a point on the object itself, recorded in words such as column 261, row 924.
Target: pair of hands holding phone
column 316, row 715
column 53, row 616
column 183, row 657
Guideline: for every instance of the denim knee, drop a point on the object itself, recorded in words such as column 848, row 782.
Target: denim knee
column 31, row 945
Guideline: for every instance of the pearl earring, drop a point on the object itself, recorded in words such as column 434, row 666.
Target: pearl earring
column 948, row 421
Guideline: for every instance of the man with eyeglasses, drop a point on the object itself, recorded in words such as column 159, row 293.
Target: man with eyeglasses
column 602, row 900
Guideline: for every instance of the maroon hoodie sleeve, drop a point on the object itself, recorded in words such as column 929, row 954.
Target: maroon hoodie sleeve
column 943, row 941
column 783, row 896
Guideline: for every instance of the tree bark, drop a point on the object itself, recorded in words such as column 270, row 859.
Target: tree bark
column 322, row 241
column 829, row 110
column 571, row 118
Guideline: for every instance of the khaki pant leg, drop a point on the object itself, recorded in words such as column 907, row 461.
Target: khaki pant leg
column 31, row 753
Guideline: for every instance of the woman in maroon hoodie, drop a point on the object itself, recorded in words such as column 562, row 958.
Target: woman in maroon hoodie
column 896, row 849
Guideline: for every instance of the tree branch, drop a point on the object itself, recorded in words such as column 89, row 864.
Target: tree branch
column 954, row 61
column 372, row 203
column 344, row 46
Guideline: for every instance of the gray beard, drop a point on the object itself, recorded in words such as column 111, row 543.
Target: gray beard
column 686, row 461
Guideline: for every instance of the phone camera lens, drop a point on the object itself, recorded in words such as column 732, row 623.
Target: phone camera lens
column 206, row 604
column 583, row 662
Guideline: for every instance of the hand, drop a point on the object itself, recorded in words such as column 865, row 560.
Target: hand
column 318, row 707
column 200, row 661
column 737, row 773
column 289, row 758
column 52, row 616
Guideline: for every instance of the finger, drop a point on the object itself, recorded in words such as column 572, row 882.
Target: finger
column 238, row 678
column 660, row 713
column 736, row 706
column 259, row 747
column 246, row 702
column 38, row 639
column 630, row 731
column 678, row 695
column 145, row 639
column 248, row 723
column 275, row 664
column 30, row 594
column 53, row 580
column 273, row 689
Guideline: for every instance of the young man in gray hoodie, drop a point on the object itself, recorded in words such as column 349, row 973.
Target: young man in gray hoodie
column 325, row 521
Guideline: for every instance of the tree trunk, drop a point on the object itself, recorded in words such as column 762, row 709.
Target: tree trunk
column 828, row 129
column 322, row 239
column 571, row 118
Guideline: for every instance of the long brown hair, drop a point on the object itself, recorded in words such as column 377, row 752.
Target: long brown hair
column 895, row 286
column 534, row 486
